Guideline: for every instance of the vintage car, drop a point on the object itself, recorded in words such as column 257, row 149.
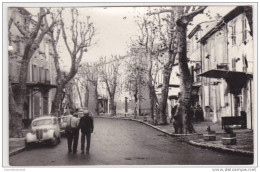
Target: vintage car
column 44, row 129
column 63, row 123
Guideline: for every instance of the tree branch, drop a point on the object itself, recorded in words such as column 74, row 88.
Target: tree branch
column 188, row 17
column 39, row 23
column 65, row 37
column 161, row 11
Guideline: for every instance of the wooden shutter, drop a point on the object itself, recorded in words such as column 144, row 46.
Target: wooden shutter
column 36, row 106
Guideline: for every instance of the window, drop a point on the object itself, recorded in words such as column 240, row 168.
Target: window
column 245, row 63
column 47, row 75
column 233, row 34
column 42, row 74
column 244, row 30
column 35, row 74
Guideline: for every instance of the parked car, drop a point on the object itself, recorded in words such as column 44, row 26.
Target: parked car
column 63, row 123
column 44, row 129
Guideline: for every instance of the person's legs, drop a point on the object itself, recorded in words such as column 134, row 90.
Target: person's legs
column 82, row 141
column 69, row 138
column 88, row 142
column 75, row 140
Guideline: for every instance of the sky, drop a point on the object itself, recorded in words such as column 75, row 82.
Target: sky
column 116, row 26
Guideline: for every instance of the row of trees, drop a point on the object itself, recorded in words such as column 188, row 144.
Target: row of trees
column 162, row 35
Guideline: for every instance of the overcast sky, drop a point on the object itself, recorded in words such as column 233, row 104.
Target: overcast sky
column 116, row 25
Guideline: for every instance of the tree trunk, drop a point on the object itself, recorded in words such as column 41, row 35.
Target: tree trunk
column 165, row 90
column 183, row 111
column 135, row 99
column 86, row 96
column 113, row 107
column 80, row 99
column 18, row 99
column 152, row 95
column 15, row 117
column 96, row 98
column 55, row 108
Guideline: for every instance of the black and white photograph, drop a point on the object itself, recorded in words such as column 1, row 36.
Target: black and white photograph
column 130, row 85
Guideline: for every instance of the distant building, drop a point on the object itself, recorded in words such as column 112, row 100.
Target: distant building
column 41, row 69
column 226, row 66
column 124, row 98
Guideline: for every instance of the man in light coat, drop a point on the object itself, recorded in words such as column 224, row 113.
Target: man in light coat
column 73, row 133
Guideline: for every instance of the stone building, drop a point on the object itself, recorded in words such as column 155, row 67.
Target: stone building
column 41, row 70
column 225, row 67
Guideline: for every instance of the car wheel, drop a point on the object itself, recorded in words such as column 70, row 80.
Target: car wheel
column 59, row 139
column 54, row 141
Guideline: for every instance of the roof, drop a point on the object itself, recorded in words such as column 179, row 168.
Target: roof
column 218, row 73
column 203, row 26
column 228, row 17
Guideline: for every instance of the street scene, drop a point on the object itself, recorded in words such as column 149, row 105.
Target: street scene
column 131, row 85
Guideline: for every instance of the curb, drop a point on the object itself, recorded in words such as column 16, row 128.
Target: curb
column 234, row 151
column 16, row 151
column 191, row 142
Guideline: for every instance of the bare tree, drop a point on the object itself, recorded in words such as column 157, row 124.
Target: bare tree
column 76, row 81
column 183, row 15
column 156, row 38
column 134, row 77
column 110, row 75
column 81, row 38
column 32, row 37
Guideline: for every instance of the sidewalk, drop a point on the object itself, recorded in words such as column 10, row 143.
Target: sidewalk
column 244, row 137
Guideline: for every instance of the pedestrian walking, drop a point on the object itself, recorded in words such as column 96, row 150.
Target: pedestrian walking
column 72, row 131
column 199, row 116
column 86, row 126
column 173, row 111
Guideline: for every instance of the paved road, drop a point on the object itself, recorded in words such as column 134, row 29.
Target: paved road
column 120, row 142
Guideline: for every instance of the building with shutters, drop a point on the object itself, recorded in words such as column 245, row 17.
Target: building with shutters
column 41, row 70
column 225, row 67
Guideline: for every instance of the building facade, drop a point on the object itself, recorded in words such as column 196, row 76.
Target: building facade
column 226, row 71
column 41, row 76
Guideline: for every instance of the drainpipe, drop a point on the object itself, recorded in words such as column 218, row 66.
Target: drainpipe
column 231, row 96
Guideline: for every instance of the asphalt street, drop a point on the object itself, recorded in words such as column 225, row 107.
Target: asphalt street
column 122, row 142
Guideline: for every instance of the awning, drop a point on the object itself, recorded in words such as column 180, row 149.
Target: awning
column 170, row 86
column 173, row 97
column 235, row 80
column 41, row 85
column 217, row 73
column 38, row 85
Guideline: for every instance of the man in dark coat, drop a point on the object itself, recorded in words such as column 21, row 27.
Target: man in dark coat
column 86, row 126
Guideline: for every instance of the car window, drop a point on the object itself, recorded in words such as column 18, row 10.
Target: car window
column 42, row 122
